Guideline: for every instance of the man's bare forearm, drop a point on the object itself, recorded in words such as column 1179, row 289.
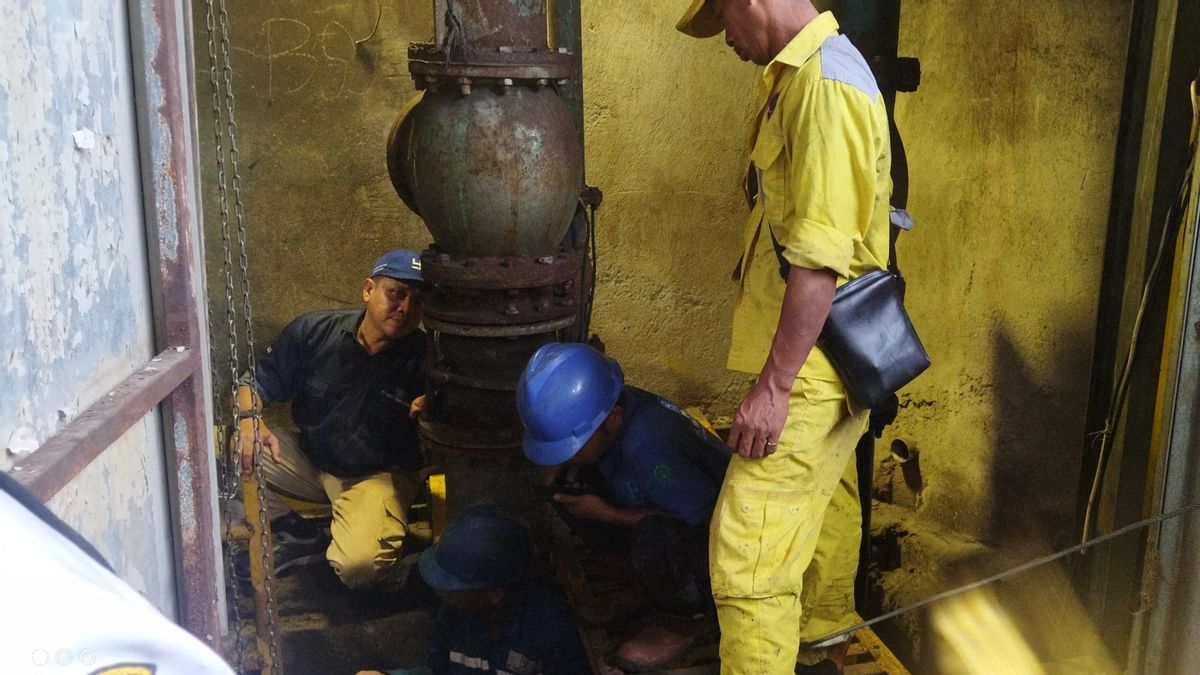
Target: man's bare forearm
column 247, row 399
column 806, row 304
column 622, row 517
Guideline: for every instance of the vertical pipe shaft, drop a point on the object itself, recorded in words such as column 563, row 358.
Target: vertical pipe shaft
column 566, row 32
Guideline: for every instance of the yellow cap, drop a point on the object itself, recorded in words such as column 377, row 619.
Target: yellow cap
column 700, row 20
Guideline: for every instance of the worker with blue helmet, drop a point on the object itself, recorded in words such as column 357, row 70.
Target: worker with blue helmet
column 659, row 474
column 492, row 620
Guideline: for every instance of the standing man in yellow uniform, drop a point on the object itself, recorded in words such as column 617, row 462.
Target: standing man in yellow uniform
column 786, row 529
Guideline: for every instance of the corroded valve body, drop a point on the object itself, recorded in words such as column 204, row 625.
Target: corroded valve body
column 489, row 157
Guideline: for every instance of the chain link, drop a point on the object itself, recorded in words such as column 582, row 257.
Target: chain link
column 230, row 475
column 225, row 127
column 247, row 319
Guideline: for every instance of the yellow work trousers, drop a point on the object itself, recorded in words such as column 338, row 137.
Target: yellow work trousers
column 783, row 544
column 370, row 513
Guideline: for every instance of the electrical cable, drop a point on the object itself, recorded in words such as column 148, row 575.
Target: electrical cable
column 591, row 298
column 1024, row 567
column 378, row 16
column 1121, row 389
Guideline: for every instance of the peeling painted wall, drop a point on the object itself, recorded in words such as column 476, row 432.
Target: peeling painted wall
column 74, row 294
column 1010, row 141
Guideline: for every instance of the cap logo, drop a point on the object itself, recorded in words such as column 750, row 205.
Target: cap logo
column 416, row 264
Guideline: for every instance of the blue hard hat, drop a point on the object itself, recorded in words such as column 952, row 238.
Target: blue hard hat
column 563, row 396
column 402, row 263
column 484, row 548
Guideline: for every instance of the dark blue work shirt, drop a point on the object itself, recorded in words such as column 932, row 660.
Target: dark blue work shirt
column 539, row 638
column 351, row 407
column 663, row 458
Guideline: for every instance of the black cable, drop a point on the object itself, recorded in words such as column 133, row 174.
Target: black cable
column 1024, row 567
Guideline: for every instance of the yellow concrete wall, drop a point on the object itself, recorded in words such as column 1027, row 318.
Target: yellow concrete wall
column 313, row 114
column 1011, row 145
column 666, row 122
column 665, row 134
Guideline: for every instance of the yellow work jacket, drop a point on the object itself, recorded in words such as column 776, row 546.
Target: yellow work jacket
column 823, row 166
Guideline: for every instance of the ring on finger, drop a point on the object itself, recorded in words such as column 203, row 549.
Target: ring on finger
column 771, row 444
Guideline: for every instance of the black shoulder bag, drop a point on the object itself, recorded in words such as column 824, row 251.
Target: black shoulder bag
column 868, row 336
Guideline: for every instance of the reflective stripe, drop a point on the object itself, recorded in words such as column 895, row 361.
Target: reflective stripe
column 469, row 661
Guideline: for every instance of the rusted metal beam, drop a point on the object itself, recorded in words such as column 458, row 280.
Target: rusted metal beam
column 64, row 455
column 162, row 59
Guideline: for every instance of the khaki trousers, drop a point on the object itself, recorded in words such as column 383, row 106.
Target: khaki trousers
column 370, row 513
column 783, row 545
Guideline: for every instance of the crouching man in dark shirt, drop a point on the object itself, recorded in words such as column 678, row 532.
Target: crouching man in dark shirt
column 658, row 475
column 351, row 376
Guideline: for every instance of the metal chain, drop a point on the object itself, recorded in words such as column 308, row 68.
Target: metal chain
column 226, row 127
column 247, row 317
column 229, row 468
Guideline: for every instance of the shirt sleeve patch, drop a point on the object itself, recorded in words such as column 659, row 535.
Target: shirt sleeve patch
column 841, row 62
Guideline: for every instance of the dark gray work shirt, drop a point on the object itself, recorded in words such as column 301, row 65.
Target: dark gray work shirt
column 351, row 407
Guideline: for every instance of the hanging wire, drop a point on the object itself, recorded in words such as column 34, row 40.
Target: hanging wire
column 1117, row 403
column 456, row 34
column 378, row 15
column 1019, row 569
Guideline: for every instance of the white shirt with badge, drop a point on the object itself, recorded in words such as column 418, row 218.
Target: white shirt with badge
column 62, row 612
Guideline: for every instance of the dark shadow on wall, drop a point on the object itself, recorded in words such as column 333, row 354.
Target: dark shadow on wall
column 1038, row 421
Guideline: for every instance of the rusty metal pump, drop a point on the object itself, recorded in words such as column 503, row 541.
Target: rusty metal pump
column 489, row 156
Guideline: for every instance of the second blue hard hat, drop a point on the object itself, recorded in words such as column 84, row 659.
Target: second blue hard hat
column 484, row 548
column 564, row 394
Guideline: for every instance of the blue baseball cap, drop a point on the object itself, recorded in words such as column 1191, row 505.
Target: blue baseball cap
column 484, row 548
column 403, row 264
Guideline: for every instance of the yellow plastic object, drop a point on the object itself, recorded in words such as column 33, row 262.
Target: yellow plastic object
column 437, row 504
column 698, row 415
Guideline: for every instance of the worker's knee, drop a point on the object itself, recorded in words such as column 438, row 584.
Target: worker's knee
column 361, row 571
column 363, row 561
column 671, row 561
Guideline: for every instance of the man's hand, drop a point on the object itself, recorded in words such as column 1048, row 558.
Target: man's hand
column 246, row 433
column 588, row 507
column 551, row 474
column 760, row 418
column 759, row 421
column 418, row 407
